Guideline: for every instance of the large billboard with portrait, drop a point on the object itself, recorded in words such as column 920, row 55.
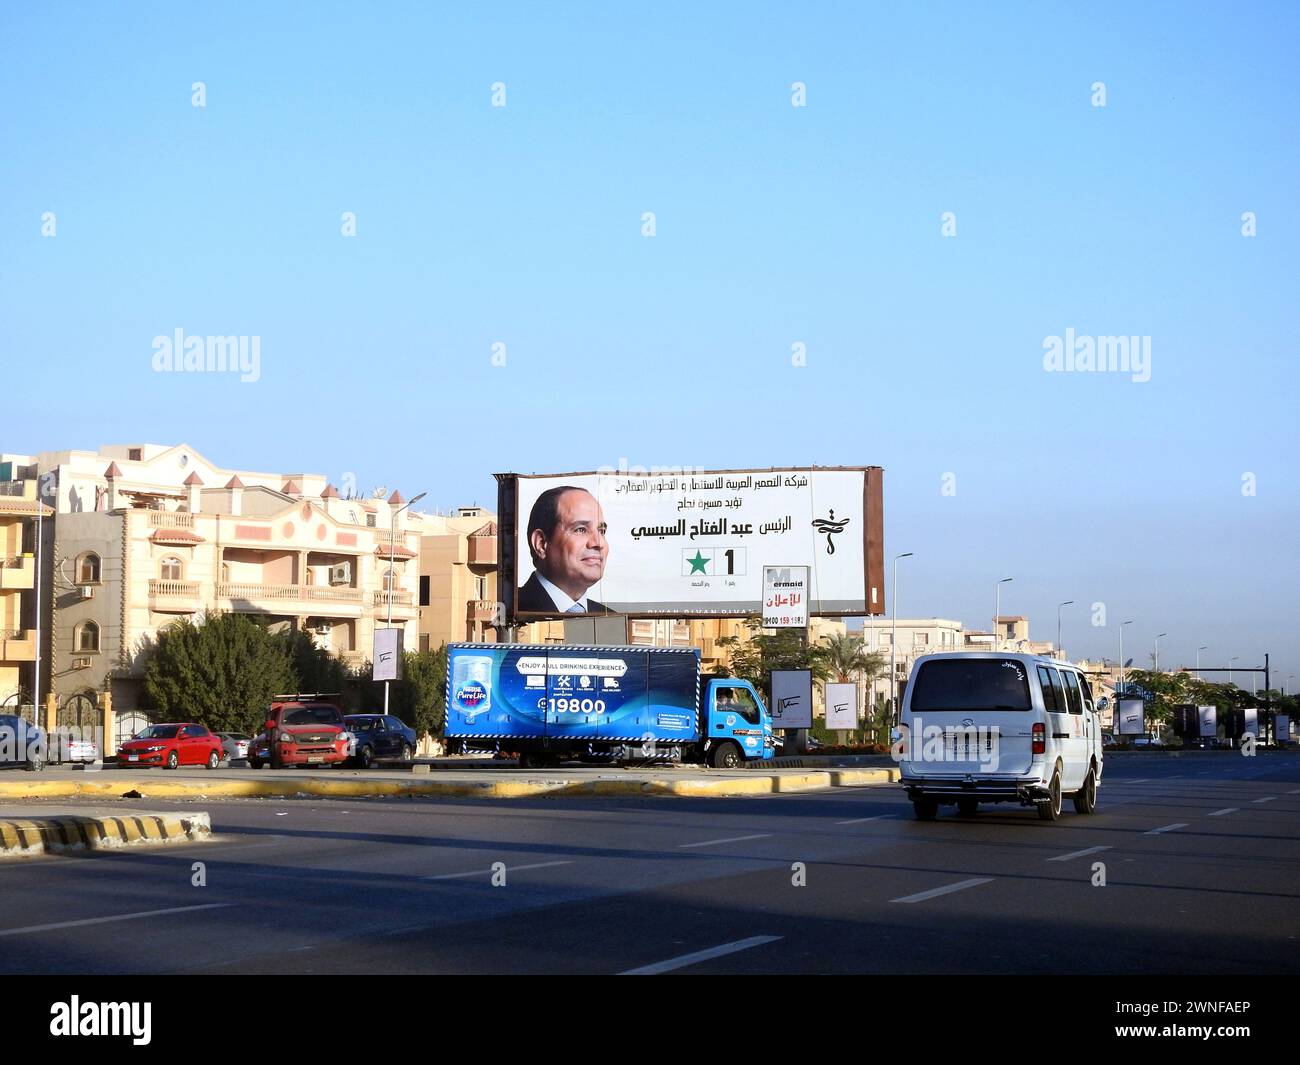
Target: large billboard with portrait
column 688, row 544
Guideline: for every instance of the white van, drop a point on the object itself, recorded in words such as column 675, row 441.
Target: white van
column 984, row 726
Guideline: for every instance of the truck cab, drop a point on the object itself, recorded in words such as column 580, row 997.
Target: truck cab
column 739, row 726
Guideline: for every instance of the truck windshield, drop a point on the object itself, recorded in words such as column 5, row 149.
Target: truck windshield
column 737, row 701
column 313, row 715
column 971, row 684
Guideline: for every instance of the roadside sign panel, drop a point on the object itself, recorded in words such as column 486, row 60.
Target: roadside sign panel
column 841, row 706
column 791, row 698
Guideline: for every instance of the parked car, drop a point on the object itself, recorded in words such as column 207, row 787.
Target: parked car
column 171, row 746
column 1108, row 741
column 301, row 731
column 1147, row 741
column 379, row 736
column 21, row 743
column 235, row 745
column 79, row 751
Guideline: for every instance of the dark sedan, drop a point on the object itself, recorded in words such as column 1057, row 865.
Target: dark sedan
column 380, row 736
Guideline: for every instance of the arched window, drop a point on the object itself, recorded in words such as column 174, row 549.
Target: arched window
column 88, row 568
column 87, row 637
column 390, row 581
column 171, row 568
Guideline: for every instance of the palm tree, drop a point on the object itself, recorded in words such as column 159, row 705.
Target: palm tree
column 848, row 659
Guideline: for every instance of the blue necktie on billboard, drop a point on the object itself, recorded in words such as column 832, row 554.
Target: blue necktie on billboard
column 577, row 608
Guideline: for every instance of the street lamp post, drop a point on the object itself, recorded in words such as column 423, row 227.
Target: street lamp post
column 1230, row 661
column 1068, row 602
column 1157, row 655
column 388, row 577
column 893, row 641
column 1121, row 656
column 997, row 611
column 1203, row 647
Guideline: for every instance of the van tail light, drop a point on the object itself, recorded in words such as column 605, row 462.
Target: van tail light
column 1040, row 738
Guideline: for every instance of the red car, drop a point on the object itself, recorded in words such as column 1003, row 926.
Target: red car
column 172, row 746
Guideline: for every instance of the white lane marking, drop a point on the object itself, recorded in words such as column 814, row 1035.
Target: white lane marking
column 699, row 956
column 860, row 820
column 1225, row 810
column 1167, row 828
column 108, row 920
column 1270, row 798
column 729, row 839
column 1078, row 854
column 489, row 872
column 934, row 893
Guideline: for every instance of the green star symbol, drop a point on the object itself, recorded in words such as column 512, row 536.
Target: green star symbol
column 697, row 563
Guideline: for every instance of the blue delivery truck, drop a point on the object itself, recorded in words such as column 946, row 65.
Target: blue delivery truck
column 548, row 702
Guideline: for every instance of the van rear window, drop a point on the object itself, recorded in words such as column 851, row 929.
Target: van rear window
column 971, row 684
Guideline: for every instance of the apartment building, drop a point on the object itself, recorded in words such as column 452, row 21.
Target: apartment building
column 145, row 535
column 458, row 578
column 19, row 510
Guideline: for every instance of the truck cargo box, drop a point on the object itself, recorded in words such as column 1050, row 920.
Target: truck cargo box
column 577, row 693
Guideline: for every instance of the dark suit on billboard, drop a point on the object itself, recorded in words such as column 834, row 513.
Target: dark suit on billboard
column 534, row 599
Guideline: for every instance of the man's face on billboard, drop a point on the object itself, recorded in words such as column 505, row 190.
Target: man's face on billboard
column 573, row 556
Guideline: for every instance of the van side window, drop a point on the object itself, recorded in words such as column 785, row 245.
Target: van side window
column 1072, row 692
column 1087, row 690
column 1049, row 695
column 1058, row 689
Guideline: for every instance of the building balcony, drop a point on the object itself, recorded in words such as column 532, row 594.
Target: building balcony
column 17, row 645
column 482, row 611
column 403, row 604
column 18, row 573
column 483, row 551
column 174, row 597
column 170, row 519
column 337, row 601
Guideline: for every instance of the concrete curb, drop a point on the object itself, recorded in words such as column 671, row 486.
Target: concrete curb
column 40, row 835
column 722, row 787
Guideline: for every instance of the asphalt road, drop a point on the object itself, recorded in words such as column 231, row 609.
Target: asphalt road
column 1201, row 857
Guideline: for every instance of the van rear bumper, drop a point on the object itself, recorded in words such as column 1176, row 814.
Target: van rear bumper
column 1027, row 791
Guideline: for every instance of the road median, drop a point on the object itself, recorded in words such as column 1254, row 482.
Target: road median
column 47, row 832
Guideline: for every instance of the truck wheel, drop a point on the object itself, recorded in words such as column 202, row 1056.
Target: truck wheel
column 1051, row 810
column 968, row 807
column 1085, row 799
column 726, row 756
column 925, row 809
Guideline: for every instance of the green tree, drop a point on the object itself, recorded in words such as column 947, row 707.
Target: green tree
column 221, row 671
column 753, row 658
column 419, row 698
column 317, row 670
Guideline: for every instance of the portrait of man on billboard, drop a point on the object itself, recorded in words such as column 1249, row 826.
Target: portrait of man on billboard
column 566, row 539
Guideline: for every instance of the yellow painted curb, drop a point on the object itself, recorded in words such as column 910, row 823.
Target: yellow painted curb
column 38, row 835
column 112, row 786
column 841, row 778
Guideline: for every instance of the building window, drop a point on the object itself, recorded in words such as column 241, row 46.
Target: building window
column 134, row 454
column 424, row 642
column 171, row 568
column 424, row 590
column 87, row 638
column 370, row 521
column 920, row 639
column 88, row 568
column 390, row 581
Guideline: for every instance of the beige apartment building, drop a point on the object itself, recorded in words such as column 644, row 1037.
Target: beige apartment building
column 146, row 535
column 458, row 578
column 19, row 509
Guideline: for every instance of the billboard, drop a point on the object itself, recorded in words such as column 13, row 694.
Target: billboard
column 1132, row 716
column 690, row 544
column 791, row 698
column 841, row 706
column 1209, row 721
column 785, row 597
column 386, row 661
column 565, row 692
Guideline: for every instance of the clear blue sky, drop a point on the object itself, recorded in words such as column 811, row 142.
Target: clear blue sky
column 775, row 225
